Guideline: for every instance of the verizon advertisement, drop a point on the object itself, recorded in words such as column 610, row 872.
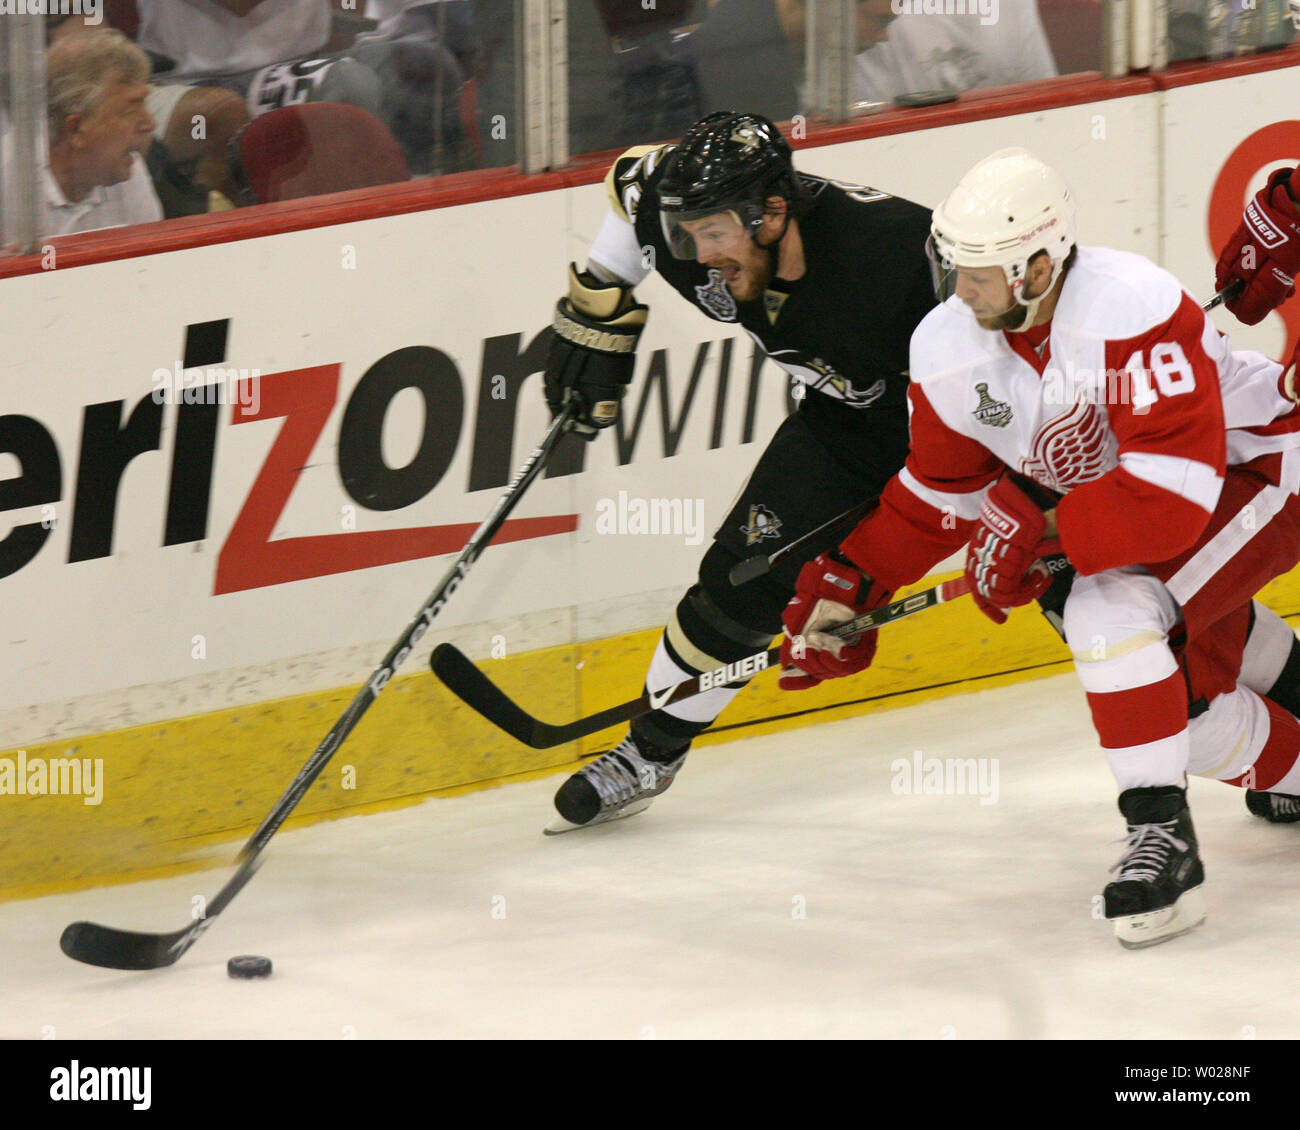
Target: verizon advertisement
column 229, row 457
column 233, row 465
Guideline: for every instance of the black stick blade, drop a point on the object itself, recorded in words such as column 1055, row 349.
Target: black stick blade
column 108, row 948
column 477, row 691
column 748, row 570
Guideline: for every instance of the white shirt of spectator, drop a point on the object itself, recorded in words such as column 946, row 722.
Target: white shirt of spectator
column 956, row 53
column 206, row 39
column 392, row 17
column 133, row 201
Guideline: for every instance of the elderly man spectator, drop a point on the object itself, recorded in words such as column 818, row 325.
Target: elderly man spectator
column 98, row 128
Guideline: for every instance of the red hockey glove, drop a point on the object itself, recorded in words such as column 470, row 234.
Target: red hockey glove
column 1001, row 560
column 1264, row 251
column 829, row 591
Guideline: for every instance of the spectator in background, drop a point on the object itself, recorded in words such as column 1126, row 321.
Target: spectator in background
column 1217, row 29
column 449, row 22
column 750, row 52
column 276, row 53
column 915, row 53
column 422, row 52
column 659, row 90
column 98, row 128
column 232, row 59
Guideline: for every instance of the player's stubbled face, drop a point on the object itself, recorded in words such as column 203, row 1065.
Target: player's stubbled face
column 986, row 293
column 723, row 244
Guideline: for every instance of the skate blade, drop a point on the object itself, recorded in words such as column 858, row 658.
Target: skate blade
column 560, row 825
column 1137, row 931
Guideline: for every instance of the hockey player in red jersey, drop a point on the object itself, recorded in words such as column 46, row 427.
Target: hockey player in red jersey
column 1263, row 255
column 1078, row 397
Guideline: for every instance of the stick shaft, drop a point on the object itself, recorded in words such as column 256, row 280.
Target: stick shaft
column 120, row 949
column 477, row 691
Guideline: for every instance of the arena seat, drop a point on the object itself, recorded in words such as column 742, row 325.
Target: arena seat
column 315, row 148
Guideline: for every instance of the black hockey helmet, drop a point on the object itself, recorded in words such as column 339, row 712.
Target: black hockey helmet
column 726, row 162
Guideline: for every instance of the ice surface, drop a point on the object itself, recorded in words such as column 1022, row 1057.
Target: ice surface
column 924, row 916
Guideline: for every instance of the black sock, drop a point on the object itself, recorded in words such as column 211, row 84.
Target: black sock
column 1286, row 691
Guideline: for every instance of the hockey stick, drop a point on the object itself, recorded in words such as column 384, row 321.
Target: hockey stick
column 478, row 692
column 753, row 567
column 122, row 949
column 1230, row 291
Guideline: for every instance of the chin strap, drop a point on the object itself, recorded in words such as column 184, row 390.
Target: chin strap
column 1031, row 306
column 773, row 249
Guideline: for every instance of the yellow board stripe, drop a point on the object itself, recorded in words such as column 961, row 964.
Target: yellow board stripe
column 178, row 794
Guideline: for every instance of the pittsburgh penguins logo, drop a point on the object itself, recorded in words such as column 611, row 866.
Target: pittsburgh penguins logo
column 747, row 138
column 762, row 524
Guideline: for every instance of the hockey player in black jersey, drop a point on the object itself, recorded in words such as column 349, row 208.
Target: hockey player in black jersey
column 830, row 280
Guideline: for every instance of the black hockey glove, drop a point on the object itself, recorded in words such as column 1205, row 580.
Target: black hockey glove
column 593, row 353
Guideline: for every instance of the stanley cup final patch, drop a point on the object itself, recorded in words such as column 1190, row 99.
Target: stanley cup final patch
column 716, row 298
column 762, row 524
column 995, row 413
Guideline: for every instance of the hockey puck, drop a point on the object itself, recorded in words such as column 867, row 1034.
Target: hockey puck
column 248, row 967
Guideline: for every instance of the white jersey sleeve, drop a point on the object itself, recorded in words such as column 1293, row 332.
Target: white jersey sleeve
column 618, row 251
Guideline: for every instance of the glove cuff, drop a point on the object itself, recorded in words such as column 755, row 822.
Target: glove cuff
column 598, row 300
column 1283, row 187
column 1042, row 497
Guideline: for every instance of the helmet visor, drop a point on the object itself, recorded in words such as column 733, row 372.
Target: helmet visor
column 943, row 270
column 705, row 232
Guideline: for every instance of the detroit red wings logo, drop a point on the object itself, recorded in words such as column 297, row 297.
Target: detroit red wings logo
column 1070, row 450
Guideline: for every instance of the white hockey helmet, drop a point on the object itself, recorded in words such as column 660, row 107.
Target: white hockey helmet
column 1002, row 213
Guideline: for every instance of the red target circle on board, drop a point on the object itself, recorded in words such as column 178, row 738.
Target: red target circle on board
column 1271, row 145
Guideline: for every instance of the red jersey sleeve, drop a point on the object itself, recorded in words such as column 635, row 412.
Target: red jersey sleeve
column 929, row 508
column 1172, row 452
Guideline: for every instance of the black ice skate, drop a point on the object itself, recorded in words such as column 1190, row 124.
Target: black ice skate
column 1157, row 895
column 619, row 783
column 1276, row 808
